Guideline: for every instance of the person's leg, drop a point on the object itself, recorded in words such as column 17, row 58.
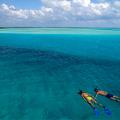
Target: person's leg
column 98, row 104
column 115, row 99
column 96, row 111
column 91, row 104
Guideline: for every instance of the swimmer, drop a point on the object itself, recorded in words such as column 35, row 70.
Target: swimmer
column 106, row 94
column 92, row 102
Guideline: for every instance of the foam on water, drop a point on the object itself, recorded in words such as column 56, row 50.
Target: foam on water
column 41, row 83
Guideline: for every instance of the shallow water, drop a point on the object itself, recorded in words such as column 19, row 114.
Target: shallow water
column 40, row 75
column 85, row 31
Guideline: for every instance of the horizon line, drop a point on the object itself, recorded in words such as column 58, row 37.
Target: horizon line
column 63, row 27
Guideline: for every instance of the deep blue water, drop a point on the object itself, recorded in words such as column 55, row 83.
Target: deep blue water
column 40, row 75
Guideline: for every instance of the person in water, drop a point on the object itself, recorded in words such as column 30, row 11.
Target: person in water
column 90, row 99
column 106, row 94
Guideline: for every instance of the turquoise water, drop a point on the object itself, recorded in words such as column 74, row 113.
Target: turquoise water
column 41, row 72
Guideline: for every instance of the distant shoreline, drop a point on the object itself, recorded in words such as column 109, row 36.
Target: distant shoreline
column 66, row 27
column 60, row 30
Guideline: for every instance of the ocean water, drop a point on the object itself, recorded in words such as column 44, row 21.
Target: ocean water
column 42, row 69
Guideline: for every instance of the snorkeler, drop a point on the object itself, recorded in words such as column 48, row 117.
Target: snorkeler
column 89, row 99
column 92, row 102
column 106, row 94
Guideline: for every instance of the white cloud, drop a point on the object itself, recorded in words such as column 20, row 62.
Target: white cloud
column 11, row 11
column 61, row 4
column 100, row 8
column 62, row 12
column 66, row 5
column 84, row 3
column 4, row 7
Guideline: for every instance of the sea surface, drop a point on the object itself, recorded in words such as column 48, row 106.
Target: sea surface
column 42, row 69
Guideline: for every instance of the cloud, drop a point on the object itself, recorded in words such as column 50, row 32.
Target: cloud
column 61, row 4
column 11, row 11
column 84, row 3
column 63, row 13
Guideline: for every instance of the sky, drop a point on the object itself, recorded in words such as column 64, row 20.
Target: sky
column 60, row 13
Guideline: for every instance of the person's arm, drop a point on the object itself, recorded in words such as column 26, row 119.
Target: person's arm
column 84, row 99
column 93, row 97
column 96, row 95
column 101, row 105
